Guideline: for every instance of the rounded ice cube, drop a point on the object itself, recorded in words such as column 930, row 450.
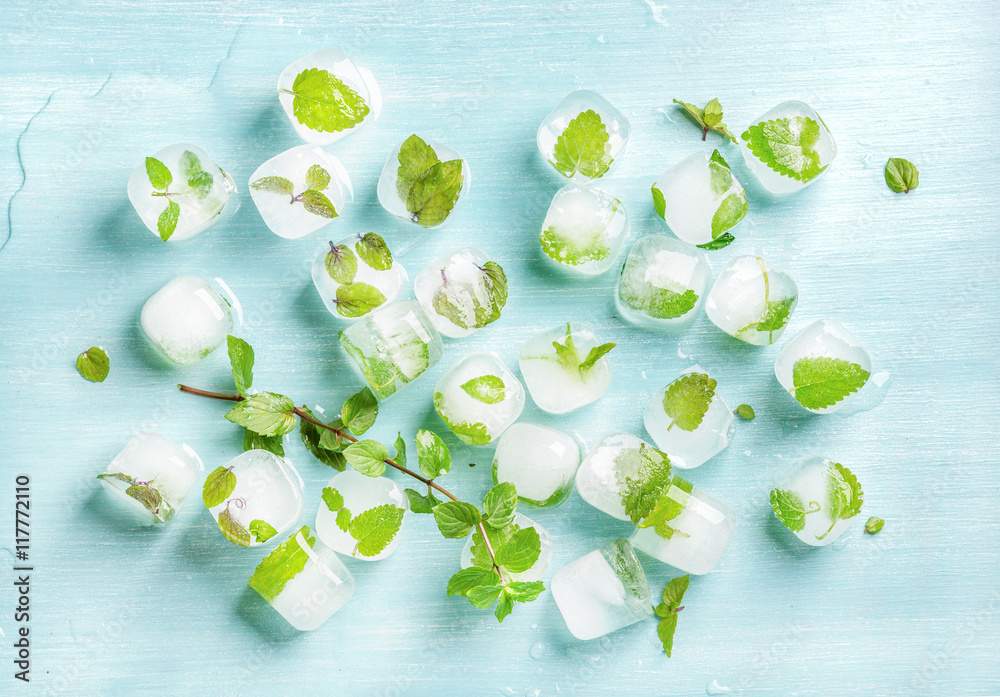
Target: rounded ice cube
column 788, row 147
column 357, row 275
column 752, row 300
column 699, row 198
column 478, row 398
column 823, row 366
column 817, row 500
column 187, row 319
column 462, row 291
column 556, row 378
column 361, row 516
column 423, row 181
column 662, row 283
column 540, row 462
column 601, row 479
column 583, row 136
column 584, row 230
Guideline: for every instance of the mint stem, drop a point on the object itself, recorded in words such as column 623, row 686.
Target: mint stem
column 704, row 132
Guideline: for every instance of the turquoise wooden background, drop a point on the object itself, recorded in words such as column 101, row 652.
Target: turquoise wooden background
column 88, row 88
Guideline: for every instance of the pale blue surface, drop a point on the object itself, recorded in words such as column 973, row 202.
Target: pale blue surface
column 915, row 610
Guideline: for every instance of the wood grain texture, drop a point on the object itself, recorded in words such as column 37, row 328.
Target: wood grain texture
column 90, row 88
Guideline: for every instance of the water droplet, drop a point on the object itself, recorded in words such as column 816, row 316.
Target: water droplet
column 534, row 626
column 681, row 354
column 600, row 38
column 714, row 688
column 537, row 650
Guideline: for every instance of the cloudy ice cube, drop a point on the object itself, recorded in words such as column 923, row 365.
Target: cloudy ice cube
column 357, row 275
column 752, row 300
column 300, row 191
column 558, row 379
column 187, row 319
column 258, row 494
column 823, row 366
column 788, row 148
column 392, row 346
column 479, row 398
column 662, row 283
column 583, row 136
column 603, row 472
column 584, row 230
column 817, row 500
column 679, row 423
column 423, row 181
column 152, row 476
column 361, row 516
column 180, row 192
column 462, row 291
column 304, row 580
column 474, row 546
column 540, row 462
column 327, row 97
column 602, row 591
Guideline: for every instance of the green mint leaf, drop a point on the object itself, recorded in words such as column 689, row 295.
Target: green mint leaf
column 480, row 553
column 94, row 364
column 787, row 146
column 198, row 179
column 367, row 457
column 873, row 525
column 790, row 509
column 731, row 211
column 646, row 478
column 357, row 299
column 374, row 251
column 697, row 113
column 566, row 353
column 341, row 264
column 670, row 505
column 901, row 175
column 521, row 551
column 467, row 432
column 718, row 243
column 146, row 495
column 415, row 157
column 159, row 176
column 495, row 281
column 421, row 504
column 565, row 251
column 400, row 444
column 321, row 101
column 845, row 491
column 488, row 389
column 821, row 382
column 344, row 520
column 360, row 411
column 746, row 411
column 709, row 118
column 484, row 596
column 776, row 314
column 276, row 185
column 266, row 413
column 261, row 530
column 432, row 454
column 117, row 477
column 255, row 441
column 665, row 631
column 281, row 565
column 525, row 591
column 219, row 484
column 455, row 519
column 311, row 437
column 595, row 355
column 375, row 528
column 662, row 303
column 435, row 192
column 472, row 577
column 446, row 303
column 673, row 592
column 317, row 203
column 713, row 113
column 333, row 499
column 241, row 359
column 505, row 605
column 232, row 529
column 687, row 399
column 333, row 441
column 166, row 224
column 718, row 159
column 317, row 178
column 500, row 505
column 582, row 147
column 659, row 202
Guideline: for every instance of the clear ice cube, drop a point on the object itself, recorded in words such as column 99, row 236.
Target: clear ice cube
column 662, row 283
column 823, row 367
column 817, row 500
column 699, row 198
column 152, row 477
column 180, row 192
column 478, row 398
column 540, row 462
column 788, row 147
column 584, row 230
column 392, row 346
column 462, row 291
column 521, row 521
column 602, row 592
column 300, row 191
column 604, row 471
column 583, row 136
column 680, row 427
column 327, row 97
column 420, row 186
column 359, row 512
column 187, row 319
column 304, row 580
column 554, row 377
column 752, row 300
column 357, row 275
column 265, row 499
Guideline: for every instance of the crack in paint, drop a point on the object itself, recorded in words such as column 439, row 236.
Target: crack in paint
column 229, row 52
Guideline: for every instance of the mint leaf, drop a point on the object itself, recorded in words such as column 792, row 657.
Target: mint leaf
column 344, row 520
column 375, row 528
column 255, row 441
column 166, row 224
column 472, row 577
column 873, row 525
column 233, row 529
column 505, row 605
column 198, row 179
column 787, row 146
column 455, row 519
column 718, row 243
column 367, row 457
column 311, row 436
column 94, row 364
column 275, row 185
column 341, row 264
column 521, row 551
column 484, row 596
column 117, row 477
column 665, row 631
column 266, row 413
column 709, row 118
column 495, row 281
column 790, row 509
column 687, row 399
column 317, row 203
column 500, row 505
column 901, row 175
column 360, row 411
column 432, row 454
column 146, row 495
column 525, row 591
column 670, row 505
column 357, row 299
column 820, row 382
column 565, row 251
column 400, row 444
column 219, row 484
column 659, row 202
column 281, row 565
column 498, row 537
column 374, row 251
column 333, row 499
column 673, row 592
column 731, row 211
column 435, row 192
column 321, row 101
column 776, row 314
column 644, row 475
column 261, row 530
column 488, row 389
column 746, row 411
column 847, row 491
column 421, row 504
column 595, row 355
column 415, row 157
column 468, row 432
column 582, row 147
column 317, row 178
column 241, row 359
column 159, row 176
column 666, row 304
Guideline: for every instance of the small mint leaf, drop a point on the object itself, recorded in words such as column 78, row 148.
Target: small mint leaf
column 159, row 176
column 261, row 530
column 360, row 411
column 166, row 224
column 317, row 178
column 241, row 358
column 367, row 457
column 94, row 364
column 276, row 185
column 317, row 203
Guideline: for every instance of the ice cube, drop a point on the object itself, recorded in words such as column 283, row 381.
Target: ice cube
column 259, row 496
column 788, row 148
column 752, row 300
column 689, row 420
column 540, row 462
column 474, row 547
column 603, row 472
column 559, row 379
column 602, row 591
column 327, row 97
column 187, row 319
column 699, row 198
column 423, row 181
column 300, row 191
column 304, row 580
column 583, row 136
column 392, row 346
column 584, row 230
column 180, row 192
column 478, row 398
column 152, row 476
column 823, row 366
column 462, row 291
column 662, row 283
column 817, row 500
column 357, row 275
column 361, row 516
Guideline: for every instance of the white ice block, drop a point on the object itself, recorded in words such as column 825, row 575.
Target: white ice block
column 357, row 275
column 603, row 472
column 817, row 500
column 597, row 137
column 462, row 291
column 478, row 398
column 350, row 502
column 540, row 462
column 187, row 319
column 556, row 381
column 699, row 198
column 537, row 569
column 752, row 300
column 823, row 367
column 662, row 284
column 584, row 230
column 405, row 199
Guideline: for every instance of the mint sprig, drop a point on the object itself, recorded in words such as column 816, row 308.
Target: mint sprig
column 643, row 476
column 472, row 304
column 282, row 565
column 199, row 184
column 709, row 118
column 312, row 197
column 570, row 359
column 373, row 529
column 673, row 595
